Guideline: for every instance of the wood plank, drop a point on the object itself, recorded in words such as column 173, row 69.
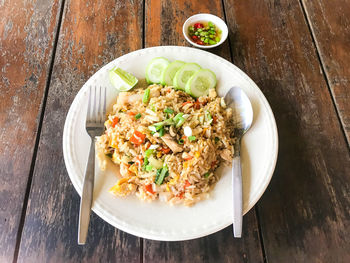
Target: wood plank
column 218, row 247
column 92, row 34
column 27, row 34
column 305, row 212
column 164, row 21
column 330, row 27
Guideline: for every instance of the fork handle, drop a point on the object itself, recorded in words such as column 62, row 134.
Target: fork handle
column 87, row 195
column 237, row 196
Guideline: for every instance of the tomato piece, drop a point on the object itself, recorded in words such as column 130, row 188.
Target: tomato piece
column 140, row 135
column 187, row 184
column 115, row 121
column 149, row 188
column 139, row 159
column 137, row 138
column 165, row 150
column 200, row 42
column 131, row 113
column 194, row 37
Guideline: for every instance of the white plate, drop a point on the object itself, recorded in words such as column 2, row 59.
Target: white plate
column 158, row 220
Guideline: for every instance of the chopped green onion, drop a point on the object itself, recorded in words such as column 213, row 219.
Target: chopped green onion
column 138, row 116
column 169, row 121
column 192, row 138
column 155, row 163
column 152, row 128
column 153, row 132
column 145, row 163
column 217, row 139
column 152, row 107
column 169, row 110
column 180, row 122
column 146, row 96
column 149, row 168
column 109, row 155
column 161, row 132
column 206, row 174
column 149, row 152
column 212, row 42
column 159, row 171
column 210, row 24
column 179, row 115
column 208, row 116
column 161, row 174
column 181, row 141
column 158, row 126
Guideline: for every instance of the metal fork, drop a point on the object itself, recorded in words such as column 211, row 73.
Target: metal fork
column 94, row 126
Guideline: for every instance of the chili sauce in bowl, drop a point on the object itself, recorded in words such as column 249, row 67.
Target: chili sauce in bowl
column 205, row 31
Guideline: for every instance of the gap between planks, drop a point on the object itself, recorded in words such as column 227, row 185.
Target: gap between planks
column 38, row 133
column 322, row 65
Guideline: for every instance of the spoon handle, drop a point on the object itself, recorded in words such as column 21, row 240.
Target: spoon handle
column 237, row 196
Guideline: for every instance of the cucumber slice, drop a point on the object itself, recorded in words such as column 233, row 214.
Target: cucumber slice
column 184, row 74
column 200, row 83
column 170, row 71
column 155, row 69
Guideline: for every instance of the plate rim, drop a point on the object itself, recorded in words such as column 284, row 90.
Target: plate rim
column 101, row 211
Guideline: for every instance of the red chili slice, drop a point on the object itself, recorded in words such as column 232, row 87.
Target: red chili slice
column 198, row 25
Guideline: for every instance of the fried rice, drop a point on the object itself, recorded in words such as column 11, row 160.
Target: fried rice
column 168, row 144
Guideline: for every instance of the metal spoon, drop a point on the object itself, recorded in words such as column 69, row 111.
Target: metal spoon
column 243, row 118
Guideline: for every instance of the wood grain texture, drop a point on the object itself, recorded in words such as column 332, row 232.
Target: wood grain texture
column 304, row 213
column 27, row 33
column 92, row 34
column 164, row 21
column 330, row 25
column 218, row 247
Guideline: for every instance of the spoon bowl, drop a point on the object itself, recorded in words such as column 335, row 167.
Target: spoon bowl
column 236, row 99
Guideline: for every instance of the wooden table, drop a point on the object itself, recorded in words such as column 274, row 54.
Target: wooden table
column 296, row 51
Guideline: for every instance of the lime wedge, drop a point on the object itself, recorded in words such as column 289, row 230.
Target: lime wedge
column 122, row 80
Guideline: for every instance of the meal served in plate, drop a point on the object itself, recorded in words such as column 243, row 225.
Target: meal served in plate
column 167, row 142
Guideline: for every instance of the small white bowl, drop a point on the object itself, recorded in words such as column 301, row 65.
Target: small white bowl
column 205, row 18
